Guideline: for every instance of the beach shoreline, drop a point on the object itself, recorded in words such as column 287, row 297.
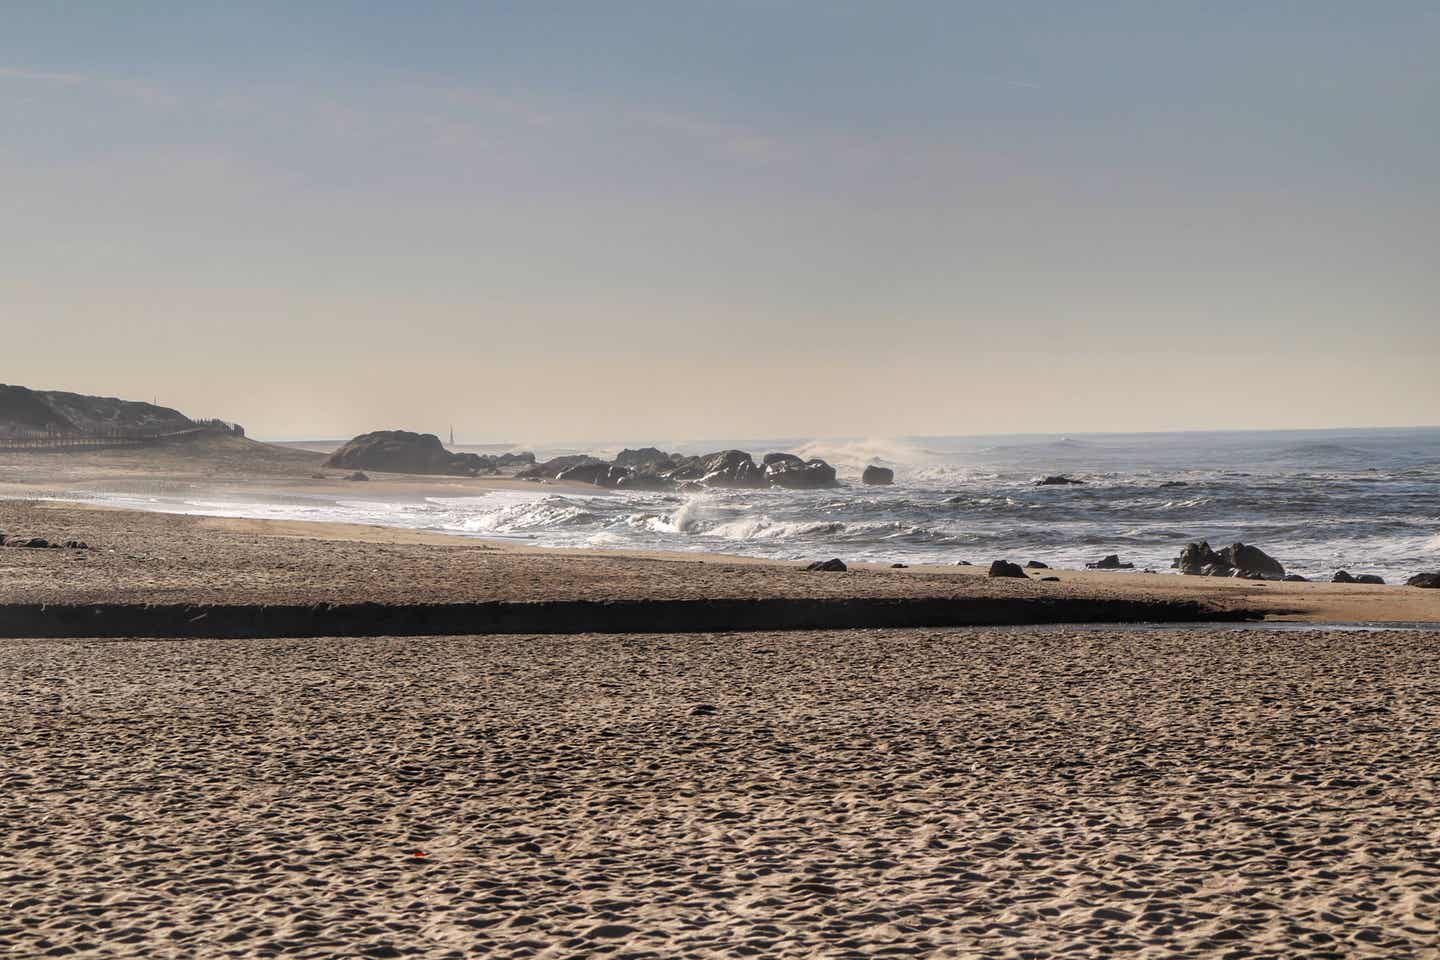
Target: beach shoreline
column 143, row 557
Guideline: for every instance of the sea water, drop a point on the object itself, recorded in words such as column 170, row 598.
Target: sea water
column 1363, row 500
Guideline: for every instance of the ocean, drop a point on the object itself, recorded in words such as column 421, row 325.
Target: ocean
column 1367, row 501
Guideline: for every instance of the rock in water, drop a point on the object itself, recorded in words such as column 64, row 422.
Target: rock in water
column 877, row 476
column 833, row 565
column 552, row 468
column 1111, row 562
column 646, row 458
column 726, row 468
column 401, row 451
column 1004, row 568
column 793, row 473
column 1059, row 480
column 1430, row 581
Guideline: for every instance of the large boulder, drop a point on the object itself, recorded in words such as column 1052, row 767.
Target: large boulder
column 1195, row 558
column 646, row 458
column 552, row 468
column 725, row 468
column 1004, row 568
column 401, row 451
column 598, row 473
column 1253, row 562
column 833, row 565
column 1342, row 576
column 1430, row 581
column 1236, row 560
column 877, row 476
column 796, row 474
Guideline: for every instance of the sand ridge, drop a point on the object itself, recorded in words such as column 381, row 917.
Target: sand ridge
column 1023, row 793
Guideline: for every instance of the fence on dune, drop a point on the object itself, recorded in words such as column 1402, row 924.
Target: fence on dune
column 117, row 437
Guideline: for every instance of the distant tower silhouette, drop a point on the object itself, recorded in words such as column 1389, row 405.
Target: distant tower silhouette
column 452, row 434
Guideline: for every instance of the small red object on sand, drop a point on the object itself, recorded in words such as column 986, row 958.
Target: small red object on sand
column 418, row 853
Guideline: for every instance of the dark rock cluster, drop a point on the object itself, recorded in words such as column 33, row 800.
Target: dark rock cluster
column 877, row 476
column 652, row 469
column 1236, row 560
column 42, row 543
column 401, row 451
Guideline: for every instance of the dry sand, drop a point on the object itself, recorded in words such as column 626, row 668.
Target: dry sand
column 966, row 793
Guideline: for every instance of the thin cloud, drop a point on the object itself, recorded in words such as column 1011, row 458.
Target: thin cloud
column 42, row 76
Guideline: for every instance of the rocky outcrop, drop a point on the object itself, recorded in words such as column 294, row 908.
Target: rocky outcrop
column 789, row 471
column 1430, row 581
column 1112, row 562
column 1004, row 568
column 1059, row 480
column 649, row 459
column 653, row 469
column 1344, row 576
column 1236, row 560
column 877, row 476
column 402, row 451
column 833, row 565
column 552, row 468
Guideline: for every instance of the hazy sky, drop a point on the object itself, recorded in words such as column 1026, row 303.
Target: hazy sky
column 558, row 220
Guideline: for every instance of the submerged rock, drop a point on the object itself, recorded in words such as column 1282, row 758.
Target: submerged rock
column 1004, row 568
column 877, row 476
column 1112, row 562
column 1059, row 480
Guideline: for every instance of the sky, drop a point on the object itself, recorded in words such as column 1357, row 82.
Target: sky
column 542, row 221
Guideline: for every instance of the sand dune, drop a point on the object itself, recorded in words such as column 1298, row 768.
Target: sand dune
column 856, row 794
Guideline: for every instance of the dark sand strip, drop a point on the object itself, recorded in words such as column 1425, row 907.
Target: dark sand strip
column 583, row 616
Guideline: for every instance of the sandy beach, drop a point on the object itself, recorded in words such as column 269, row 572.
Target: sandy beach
column 968, row 793
column 141, row 557
column 1033, row 792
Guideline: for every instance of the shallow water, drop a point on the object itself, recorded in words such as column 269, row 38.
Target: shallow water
column 1363, row 500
